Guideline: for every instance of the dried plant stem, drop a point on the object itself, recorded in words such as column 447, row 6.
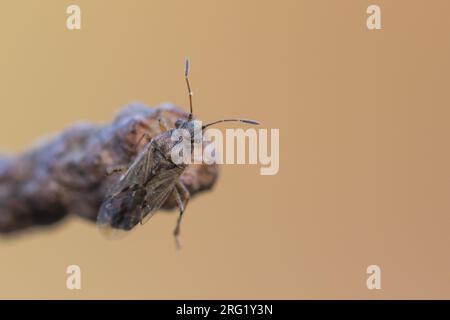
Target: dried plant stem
column 67, row 174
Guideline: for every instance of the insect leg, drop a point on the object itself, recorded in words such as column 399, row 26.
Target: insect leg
column 144, row 136
column 162, row 125
column 115, row 169
column 184, row 191
column 180, row 204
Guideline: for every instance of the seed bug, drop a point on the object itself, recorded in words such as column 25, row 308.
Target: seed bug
column 151, row 178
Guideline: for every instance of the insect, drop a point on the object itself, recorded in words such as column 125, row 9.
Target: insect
column 151, row 178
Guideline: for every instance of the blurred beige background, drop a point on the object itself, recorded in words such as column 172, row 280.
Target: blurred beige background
column 364, row 124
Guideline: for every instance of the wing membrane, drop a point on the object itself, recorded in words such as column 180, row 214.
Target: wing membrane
column 138, row 193
column 137, row 172
column 158, row 190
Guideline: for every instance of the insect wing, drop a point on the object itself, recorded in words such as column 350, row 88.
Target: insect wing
column 158, row 190
column 137, row 172
column 121, row 212
column 122, row 208
column 157, row 200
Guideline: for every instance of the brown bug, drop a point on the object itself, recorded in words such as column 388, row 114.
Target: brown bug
column 151, row 178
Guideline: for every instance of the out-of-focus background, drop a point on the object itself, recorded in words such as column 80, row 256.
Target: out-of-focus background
column 364, row 123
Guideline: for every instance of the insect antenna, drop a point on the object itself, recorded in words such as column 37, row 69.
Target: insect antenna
column 190, row 93
column 227, row 120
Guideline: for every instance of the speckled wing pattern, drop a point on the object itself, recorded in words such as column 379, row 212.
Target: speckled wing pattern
column 139, row 192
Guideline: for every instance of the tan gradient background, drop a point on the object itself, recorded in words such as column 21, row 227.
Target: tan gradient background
column 364, row 124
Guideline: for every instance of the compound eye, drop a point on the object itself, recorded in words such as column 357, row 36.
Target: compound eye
column 178, row 123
